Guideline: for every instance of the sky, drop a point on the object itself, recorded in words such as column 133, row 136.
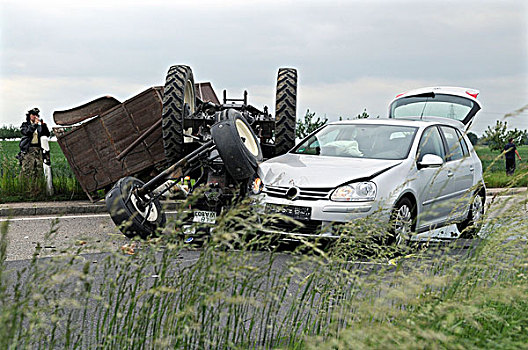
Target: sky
column 350, row 55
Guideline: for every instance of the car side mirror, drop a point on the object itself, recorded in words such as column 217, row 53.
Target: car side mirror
column 430, row 161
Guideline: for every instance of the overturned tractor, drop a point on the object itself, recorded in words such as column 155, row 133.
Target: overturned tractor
column 140, row 149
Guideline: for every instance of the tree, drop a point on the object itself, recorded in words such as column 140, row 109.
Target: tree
column 306, row 126
column 363, row 115
column 498, row 136
column 9, row 132
column 473, row 138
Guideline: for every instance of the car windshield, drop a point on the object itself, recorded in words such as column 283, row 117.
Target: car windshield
column 374, row 141
column 432, row 105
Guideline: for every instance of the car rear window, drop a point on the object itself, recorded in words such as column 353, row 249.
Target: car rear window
column 433, row 105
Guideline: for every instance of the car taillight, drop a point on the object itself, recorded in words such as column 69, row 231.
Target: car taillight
column 474, row 94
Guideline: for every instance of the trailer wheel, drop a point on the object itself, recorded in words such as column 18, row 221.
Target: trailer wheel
column 179, row 100
column 127, row 212
column 237, row 144
column 285, row 110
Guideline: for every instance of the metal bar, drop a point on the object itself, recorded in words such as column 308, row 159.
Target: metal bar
column 162, row 177
column 140, row 139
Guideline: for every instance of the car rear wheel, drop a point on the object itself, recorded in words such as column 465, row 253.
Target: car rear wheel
column 403, row 222
column 179, row 101
column 285, row 110
column 470, row 227
column 128, row 211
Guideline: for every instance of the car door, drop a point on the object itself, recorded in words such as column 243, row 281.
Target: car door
column 460, row 166
column 435, row 184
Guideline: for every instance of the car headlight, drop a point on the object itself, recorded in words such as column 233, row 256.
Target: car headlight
column 355, row 192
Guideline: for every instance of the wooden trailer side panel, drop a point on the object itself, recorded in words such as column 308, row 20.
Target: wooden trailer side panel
column 92, row 148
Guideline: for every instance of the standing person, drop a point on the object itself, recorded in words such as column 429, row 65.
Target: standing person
column 30, row 149
column 509, row 154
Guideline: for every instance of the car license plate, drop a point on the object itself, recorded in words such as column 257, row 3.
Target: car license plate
column 205, row 217
column 295, row 212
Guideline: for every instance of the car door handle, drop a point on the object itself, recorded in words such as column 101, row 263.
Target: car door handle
column 450, row 173
column 471, row 168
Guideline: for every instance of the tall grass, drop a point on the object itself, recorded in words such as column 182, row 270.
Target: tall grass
column 494, row 167
column 16, row 188
column 241, row 289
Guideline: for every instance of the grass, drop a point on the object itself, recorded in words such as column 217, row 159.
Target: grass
column 235, row 296
column 66, row 186
column 494, row 168
column 14, row 188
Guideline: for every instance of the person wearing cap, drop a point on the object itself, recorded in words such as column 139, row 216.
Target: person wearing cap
column 30, row 154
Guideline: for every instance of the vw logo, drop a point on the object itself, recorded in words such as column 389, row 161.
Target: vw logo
column 293, row 193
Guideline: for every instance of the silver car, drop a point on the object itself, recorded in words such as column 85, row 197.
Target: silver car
column 417, row 170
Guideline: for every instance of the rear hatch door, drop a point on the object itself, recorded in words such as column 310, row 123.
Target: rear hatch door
column 453, row 103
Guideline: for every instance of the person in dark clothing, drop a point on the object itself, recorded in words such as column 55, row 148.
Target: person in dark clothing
column 30, row 155
column 509, row 154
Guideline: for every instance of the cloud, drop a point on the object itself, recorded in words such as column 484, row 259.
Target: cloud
column 20, row 94
column 350, row 54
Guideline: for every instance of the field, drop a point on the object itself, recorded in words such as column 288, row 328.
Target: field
column 493, row 165
column 67, row 186
column 12, row 189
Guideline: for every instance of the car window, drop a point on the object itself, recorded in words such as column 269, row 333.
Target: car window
column 465, row 147
column 436, row 105
column 431, row 143
column 454, row 148
column 375, row 141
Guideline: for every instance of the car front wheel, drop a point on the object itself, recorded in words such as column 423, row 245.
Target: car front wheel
column 403, row 222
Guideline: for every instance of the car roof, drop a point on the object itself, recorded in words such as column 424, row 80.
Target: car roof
column 423, row 122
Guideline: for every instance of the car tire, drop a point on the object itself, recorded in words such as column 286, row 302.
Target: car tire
column 237, row 144
column 285, row 110
column 402, row 222
column 470, row 227
column 179, row 101
column 132, row 220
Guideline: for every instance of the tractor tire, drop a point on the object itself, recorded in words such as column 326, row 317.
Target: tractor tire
column 237, row 144
column 129, row 217
column 285, row 110
column 179, row 101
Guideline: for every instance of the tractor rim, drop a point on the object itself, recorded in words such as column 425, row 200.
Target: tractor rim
column 188, row 97
column 247, row 137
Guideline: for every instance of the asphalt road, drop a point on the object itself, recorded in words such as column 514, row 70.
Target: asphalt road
column 55, row 234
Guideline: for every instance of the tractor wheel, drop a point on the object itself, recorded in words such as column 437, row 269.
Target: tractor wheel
column 237, row 144
column 285, row 109
column 127, row 212
column 179, row 101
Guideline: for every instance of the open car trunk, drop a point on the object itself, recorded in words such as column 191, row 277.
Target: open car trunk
column 454, row 103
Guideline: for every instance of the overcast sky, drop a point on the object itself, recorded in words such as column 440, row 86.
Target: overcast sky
column 350, row 55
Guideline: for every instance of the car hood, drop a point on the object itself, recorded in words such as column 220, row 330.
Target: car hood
column 319, row 171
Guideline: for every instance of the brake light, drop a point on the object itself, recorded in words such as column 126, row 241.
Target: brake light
column 474, row 95
column 400, row 95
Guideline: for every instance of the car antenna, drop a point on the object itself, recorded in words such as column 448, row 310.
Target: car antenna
column 423, row 109
column 427, row 95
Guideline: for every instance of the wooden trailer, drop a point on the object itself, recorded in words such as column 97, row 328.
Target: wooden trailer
column 105, row 140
